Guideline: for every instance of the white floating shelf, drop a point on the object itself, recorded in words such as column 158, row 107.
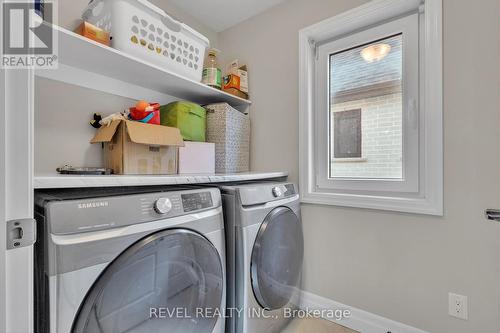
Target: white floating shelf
column 72, row 181
column 86, row 63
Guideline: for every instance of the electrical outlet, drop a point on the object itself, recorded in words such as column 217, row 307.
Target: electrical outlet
column 457, row 306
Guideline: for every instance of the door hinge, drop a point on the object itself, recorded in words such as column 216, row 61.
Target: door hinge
column 20, row 233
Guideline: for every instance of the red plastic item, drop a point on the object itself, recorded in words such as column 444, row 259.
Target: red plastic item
column 149, row 117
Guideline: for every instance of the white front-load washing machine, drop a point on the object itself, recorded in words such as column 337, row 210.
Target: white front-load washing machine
column 265, row 250
column 111, row 261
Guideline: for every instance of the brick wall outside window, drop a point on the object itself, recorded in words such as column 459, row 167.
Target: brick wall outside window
column 381, row 128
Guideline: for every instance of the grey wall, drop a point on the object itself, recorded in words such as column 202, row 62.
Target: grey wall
column 400, row 266
column 57, row 145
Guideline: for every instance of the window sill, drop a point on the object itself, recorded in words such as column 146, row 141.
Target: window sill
column 349, row 160
column 431, row 205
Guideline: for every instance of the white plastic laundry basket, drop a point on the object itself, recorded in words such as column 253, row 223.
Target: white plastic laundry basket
column 145, row 31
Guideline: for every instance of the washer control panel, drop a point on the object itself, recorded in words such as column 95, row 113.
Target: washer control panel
column 163, row 205
column 106, row 212
column 196, row 201
column 251, row 194
column 176, row 204
column 277, row 192
column 283, row 191
column 170, row 204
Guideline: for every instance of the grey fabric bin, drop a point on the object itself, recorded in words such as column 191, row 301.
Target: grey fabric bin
column 229, row 129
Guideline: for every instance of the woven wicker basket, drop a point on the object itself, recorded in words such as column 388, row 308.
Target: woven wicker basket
column 229, row 129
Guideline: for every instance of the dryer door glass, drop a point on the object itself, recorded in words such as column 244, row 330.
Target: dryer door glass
column 277, row 258
column 170, row 281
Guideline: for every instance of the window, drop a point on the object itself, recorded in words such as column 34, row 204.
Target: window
column 366, row 70
column 367, row 77
column 371, row 108
column 346, row 134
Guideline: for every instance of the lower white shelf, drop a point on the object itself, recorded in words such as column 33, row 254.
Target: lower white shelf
column 77, row 181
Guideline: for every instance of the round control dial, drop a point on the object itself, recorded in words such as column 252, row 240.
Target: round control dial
column 163, row 205
column 277, row 192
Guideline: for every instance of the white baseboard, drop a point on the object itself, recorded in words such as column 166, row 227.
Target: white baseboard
column 359, row 320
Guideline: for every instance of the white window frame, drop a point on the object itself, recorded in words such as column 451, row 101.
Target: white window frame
column 422, row 188
column 408, row 27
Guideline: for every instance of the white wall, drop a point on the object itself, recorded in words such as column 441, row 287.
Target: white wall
column 400, row 266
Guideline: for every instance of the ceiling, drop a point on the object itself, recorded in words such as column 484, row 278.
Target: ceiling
column 222, row 14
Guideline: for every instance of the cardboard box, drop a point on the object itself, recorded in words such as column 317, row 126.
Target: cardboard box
column 243, row 74
column 236, row 92
column 94, row 33
column 234, row 68
column 236, row 82
column 231, row 85
column 197, row 157
column 134, row 148
column 231, row 81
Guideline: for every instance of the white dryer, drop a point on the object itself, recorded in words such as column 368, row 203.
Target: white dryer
column 115, row 262
column 265, row 250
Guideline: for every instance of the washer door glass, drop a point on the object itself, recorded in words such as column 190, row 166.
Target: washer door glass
column 277, row 258
column 170, row 281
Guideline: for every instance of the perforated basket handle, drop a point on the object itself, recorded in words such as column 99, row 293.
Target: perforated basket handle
column 171, row 23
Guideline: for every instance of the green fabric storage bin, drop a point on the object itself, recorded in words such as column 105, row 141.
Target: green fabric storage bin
column 189, row 118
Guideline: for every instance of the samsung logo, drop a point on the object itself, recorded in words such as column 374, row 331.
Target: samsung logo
column 96, row 204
